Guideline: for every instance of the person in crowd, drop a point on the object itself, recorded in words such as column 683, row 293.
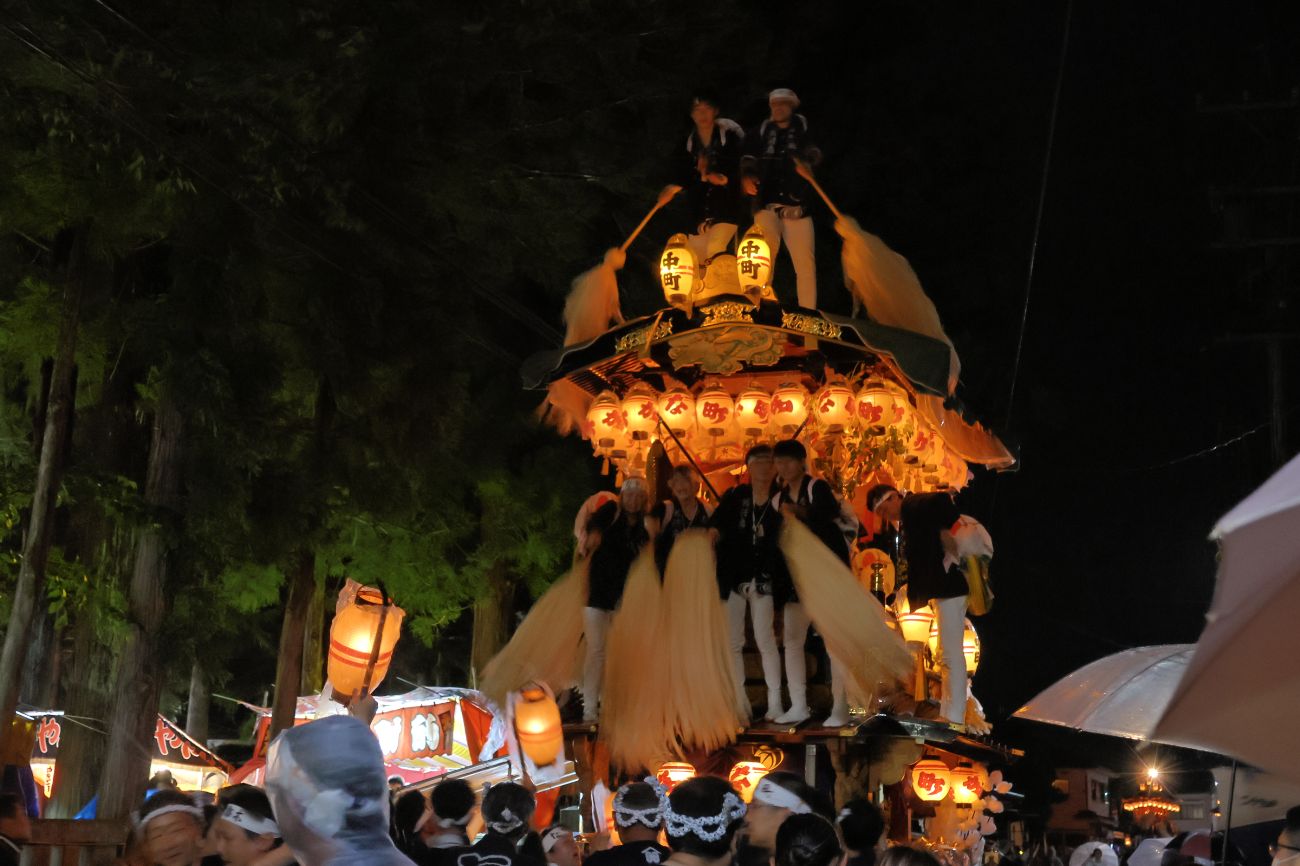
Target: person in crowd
column 707, row 169
column 812, row 502
column 862, row 826
column 15, row 828
column 171, row 828
column 700, row 820
column 746, row 528
column 244, row 829
column 615, row 535
column 684, row 511
column 326, row 783
column 453, row 803
column 507, row 809
column 776, row 797
column 560, row 847
column 906, row 855
column 807, row 840
column 782, row 195
column 412, row 823
column 639, row 814
column 934, row 578
column 1287, row 847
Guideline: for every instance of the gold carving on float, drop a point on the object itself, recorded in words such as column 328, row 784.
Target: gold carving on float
column 727, row 350
column 811, row 325
column 637, row 338
column 726, row 311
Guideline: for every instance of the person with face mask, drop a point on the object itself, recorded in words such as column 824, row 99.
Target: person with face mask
column 1286, row 850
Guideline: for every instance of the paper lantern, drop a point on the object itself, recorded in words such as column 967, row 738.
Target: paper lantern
column 967, row 789
column 754, row 263
column 640, row 413
column 921, row 444
column 606, row 420
column 362, row 623
column 789, row 407
column 833, row 407
column 754, row 411
column 954, row 471
column 915, row 624
column 931, row 780
column 537, row 723
column 874, row 408
column 673, row 773
column 678, row 271
column 677, row 408
column 714, row 409
column 970, row 646
column 745, row 776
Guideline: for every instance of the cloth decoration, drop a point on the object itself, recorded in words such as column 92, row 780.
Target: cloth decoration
column 246, row 820
column 709, row 828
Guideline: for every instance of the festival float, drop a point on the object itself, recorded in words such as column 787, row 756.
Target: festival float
column 722, row 366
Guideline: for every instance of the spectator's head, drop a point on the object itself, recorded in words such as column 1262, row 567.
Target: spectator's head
column 245, row 826
column 885, row 502
column 705, row 107
column 632, row 495
column 782, row 103
column 807, row 840
column 791, row 459
column 777, row 797
column 861, row 824
column 1287, row 847
column 559, row 846
column 411, row 815
column 507, row 809
column 639, row 811
column 761, row 465
column 395, row 784
column 683, row 482
column 906, row 855
column 14, row 821
column 702, row 816
column 171, row 826
column 453, row 803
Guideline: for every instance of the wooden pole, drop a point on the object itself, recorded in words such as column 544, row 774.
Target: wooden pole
column 689, row 457
column 805, row 171
column 646, row 221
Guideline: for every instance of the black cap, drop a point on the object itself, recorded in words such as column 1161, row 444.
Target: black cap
column 790, row 448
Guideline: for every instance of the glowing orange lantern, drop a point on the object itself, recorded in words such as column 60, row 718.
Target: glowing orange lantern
column 966, row 786
column 714, row 409
column 745, row 776
column 606, row 420
column 364, row 621
column 754, row 263
column 677, row 408
column 677, row 271
column 915, row 624
column 970, row 646
column 754, row 411
column 537, row 723
column 874, row 408
column 921, row 444
column 931, row 780
column 833, row 406
column 789, row 407
column 954, row 471
column 673, row 773
column 640, row 413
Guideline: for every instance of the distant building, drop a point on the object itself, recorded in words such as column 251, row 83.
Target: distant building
column 1087, row 811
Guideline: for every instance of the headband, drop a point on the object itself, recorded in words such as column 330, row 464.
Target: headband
column 507, row 823
column 195, row 811
column 769, row 793
column 652, row 817
column 448, row 823
column 551, row 836
column 245, row 819
column 633, row 484
column 709, row 828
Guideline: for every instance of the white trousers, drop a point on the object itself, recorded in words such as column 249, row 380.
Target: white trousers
column 595, row 626
column 798, row 237
column 950, row 613
column 762, row 613
column 713, row 240
column 794, row 636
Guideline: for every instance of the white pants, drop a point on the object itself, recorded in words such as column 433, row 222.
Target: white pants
column 794, row 636
column 950, row 613
column 713, row 240
column 798, row 235
column 762, row 614
column 595, row 626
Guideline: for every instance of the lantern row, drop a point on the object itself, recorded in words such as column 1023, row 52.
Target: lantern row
column 933, row 781
column 681, row 274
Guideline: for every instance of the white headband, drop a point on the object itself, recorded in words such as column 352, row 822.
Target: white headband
column 507, row 824
column 709, row 828
column 195, row 811
column 255, row 824
column 652, row 817
column 448, row 823
column 769, row 793
column 553, row 835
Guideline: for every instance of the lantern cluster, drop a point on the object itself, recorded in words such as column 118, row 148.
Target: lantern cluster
column 933, row 781
column 681, row 273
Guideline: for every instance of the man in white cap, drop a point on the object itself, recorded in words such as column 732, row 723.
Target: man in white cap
column 782, row 195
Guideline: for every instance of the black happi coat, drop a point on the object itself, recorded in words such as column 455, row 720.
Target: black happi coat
column 675, row 525
column 924, row 515
column 749, row 543
column 710, row 202
column 770, row 152
column 631, row 854
column 621, row 542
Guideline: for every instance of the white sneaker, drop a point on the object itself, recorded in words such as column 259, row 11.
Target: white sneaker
column 794, row 715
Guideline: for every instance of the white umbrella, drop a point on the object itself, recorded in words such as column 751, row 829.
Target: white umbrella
column 1121, row 695
column 1240, row 695
column 1149, row 852
column 1083, row 854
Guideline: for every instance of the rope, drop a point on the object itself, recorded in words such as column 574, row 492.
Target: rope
column 1038, row 216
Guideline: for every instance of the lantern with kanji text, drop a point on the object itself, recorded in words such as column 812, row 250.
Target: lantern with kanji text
column 967, row 788
column 754, row 263
column 714, row 409
column 833, row 406
column 754, row 411
column 789, row 407
column 745, row 776
column 931, row 780
column 640, row 413
column 673, row 773
column 678, row 272
column 606, row 421
column 677, row 409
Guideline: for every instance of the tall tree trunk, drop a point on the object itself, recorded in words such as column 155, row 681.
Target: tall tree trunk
column 30, row 589
column 288, row 665
column 196, row 713
column 313, row 644
column 139, row 681
column 493, row 610
column 81, row 748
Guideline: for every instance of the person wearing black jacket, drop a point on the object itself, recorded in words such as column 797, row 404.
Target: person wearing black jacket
column 707, row 170
column 746, row 527
column 782, row 196
column 638, row 812
column 672, row 517
column 615, row 534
